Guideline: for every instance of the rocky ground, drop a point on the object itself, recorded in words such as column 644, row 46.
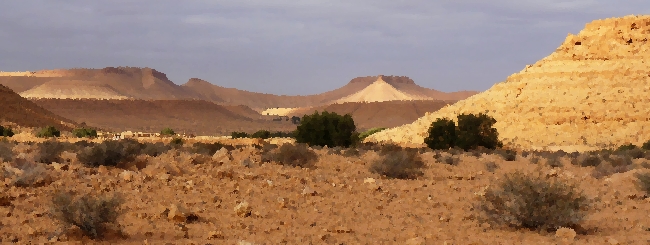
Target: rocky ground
column 233, row 197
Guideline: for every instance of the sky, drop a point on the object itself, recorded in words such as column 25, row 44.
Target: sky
column 298, row 47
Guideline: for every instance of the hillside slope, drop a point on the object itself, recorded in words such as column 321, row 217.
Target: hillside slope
column 18, row 110
column 591, row 92
column 191, row 116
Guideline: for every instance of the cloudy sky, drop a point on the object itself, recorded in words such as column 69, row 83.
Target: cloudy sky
column 298, row 47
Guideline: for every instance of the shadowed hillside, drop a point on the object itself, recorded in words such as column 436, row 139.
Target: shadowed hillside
column 191, row 116
column 18, row 110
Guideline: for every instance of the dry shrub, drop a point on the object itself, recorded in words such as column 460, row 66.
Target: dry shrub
column 6, row 153
column 554, row 162
column 403, row 164
column 449, row 160
column 507, row 155
column 351, row 152
column 50, row 151
column 491, row 166
column 615, row 164
column 533, row 201
column 109, row 153
column 28, row 174
column 298, row 155
column 643, row 182
column 586, row 160
column 154, row 149
column 93, row 215
column 534, row 159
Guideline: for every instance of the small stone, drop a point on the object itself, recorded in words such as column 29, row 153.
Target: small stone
column 127, row 175
column 368, row 180
column 243, row 209
column 308, row 192
column 242, row 242
column 415, row 241
column 215, row 235
column 566, row 234
column 60, row 166
column 177, row 213
column 247, row 163
column 613, row 241
column 164, row 177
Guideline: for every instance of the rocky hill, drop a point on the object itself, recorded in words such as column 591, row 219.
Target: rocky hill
column 147, row 83
column 127, row 82
column 15, row 109
column 591, row 92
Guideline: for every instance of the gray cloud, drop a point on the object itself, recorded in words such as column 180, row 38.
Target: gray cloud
column 298, row 47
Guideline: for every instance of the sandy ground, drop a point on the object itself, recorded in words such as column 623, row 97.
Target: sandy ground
column 175, row 200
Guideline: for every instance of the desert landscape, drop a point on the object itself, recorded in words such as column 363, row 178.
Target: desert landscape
column 571, row 162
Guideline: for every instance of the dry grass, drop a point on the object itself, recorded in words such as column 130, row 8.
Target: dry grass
column 93, row 215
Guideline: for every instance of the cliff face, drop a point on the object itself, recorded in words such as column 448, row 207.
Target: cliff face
column 591, row 92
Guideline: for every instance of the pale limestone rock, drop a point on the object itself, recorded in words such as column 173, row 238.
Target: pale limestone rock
column 415, row 241
column 243, row 209
column 565, row 234
column 590, row 92
column 222, row 156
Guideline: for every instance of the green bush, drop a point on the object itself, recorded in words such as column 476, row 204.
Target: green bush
column 626, row 147
column 646, row 145
column 472, row 132
column 298, row 155
column 533, row 202
column 261, row 134
column 84, row 132
column 329, row 129
column 167, row 132
column 442, row 134
column 371, row 131
column 236, row 135
column 399, row 164
column 48, row 131
column 6, row 132
column 92, row 215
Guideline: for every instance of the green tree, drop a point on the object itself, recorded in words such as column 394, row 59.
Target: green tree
column 477, row 130
column 84, row 132
column 442, row 134
column 473, row 131
column 261, row 134
column 7, row 132
column 167, row 132
column 329, row 129
column 49, row 131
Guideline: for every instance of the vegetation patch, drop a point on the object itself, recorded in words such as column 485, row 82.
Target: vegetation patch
column 329, row 129
column 533, row 201
column 6, row 131
column 369, row 132
column 473, row 131
column 93, row 215
column 48, row 132
column 84, row 133
column 400, row 164
column 298, row 155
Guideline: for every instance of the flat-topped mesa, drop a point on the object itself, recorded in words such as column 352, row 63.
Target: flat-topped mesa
column 590, row 93
column 43, row 73
column 388, row 79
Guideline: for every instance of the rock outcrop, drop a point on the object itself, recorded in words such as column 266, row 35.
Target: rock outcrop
column 591, row 92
